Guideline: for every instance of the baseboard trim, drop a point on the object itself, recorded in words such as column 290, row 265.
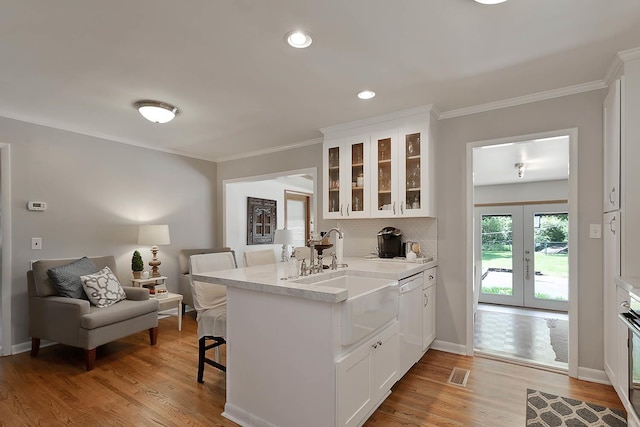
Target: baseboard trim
column 593, row 375
column 242, row 417
column 449, row 347
column 26, row 346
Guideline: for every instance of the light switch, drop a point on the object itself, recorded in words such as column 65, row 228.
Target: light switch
column 595, row 231
column 36, row 243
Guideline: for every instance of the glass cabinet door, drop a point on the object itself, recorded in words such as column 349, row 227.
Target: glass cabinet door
column 384, row 183
column 415, row 196
column 358, row 188
column 413, row 188
column 333, row 173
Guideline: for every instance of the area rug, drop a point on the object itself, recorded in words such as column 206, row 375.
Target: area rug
column 549, row 410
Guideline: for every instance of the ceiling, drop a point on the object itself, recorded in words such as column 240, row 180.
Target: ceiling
column 79, row 66
column 542, row 160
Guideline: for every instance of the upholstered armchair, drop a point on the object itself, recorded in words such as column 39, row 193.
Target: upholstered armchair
column 78, row 323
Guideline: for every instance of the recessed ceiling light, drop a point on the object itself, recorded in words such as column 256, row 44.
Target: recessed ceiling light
column 490, row 1
column 298, row 39
column 366, row 94
column 156, row 111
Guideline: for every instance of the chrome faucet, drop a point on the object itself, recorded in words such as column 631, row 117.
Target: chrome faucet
column 334, row 264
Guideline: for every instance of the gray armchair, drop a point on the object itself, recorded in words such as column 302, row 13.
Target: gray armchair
column 77, row 323
column 184, row 281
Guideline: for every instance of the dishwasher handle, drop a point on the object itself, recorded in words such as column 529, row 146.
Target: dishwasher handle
column 411, row 285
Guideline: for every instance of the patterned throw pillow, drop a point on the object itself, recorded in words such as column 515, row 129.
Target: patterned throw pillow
column 103, row 288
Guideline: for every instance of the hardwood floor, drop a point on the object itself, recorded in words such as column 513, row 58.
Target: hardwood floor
column 136, row 384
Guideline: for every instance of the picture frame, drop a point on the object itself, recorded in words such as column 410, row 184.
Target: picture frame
column 261, row 221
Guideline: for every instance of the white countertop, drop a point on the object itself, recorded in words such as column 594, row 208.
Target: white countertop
column 270, row 278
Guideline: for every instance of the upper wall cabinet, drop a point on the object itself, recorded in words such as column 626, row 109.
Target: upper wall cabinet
column 612, row 124
column 380, row 167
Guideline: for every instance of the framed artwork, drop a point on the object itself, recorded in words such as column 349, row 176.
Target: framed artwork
column 261, row 221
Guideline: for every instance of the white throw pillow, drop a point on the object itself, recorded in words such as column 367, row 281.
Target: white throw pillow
column 103, row 288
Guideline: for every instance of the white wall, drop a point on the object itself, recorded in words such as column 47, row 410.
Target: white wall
column 525, row 192
column 236, row 213
column 582, row 111
column 98, row 192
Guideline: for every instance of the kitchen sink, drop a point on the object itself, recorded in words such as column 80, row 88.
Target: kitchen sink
column 371, row 303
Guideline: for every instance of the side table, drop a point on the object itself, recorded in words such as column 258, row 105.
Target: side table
column 169, row 302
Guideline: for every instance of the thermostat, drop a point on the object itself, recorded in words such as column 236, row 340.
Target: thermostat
column 37, row 206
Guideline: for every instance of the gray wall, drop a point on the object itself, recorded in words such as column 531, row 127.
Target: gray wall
column 582, row 111
column 97, row 192
column 284, row 161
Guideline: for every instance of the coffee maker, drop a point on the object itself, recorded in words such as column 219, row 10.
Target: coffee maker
column 389, row 242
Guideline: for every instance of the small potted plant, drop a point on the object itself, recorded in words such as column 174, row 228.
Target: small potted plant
column 137, row 266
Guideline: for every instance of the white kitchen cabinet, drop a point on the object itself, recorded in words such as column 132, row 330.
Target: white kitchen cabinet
column 611, row 269
column 397, row 167
column 622, row 346
column 429, row 313
column 612, row 132
column 346, row 166
column 365, row 375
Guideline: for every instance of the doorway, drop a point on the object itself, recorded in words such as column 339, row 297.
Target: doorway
column 522, row 254
column 521, row 269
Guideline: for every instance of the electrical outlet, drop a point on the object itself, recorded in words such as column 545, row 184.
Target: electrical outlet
column 36, row 243
column 595, row 231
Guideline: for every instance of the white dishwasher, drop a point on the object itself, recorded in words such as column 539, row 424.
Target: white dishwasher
column 410, row 321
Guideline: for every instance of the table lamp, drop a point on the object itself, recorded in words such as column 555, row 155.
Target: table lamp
column 284, row 237
column 154, row 235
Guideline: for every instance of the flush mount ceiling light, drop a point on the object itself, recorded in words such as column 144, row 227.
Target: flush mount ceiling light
column 156, row 111
column 366, row 94
column 490, row 1
column 298, row 39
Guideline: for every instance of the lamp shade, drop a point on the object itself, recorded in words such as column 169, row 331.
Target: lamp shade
column 283, row 237
column 153, row 235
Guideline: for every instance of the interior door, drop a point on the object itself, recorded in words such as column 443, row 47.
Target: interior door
column 499, row 254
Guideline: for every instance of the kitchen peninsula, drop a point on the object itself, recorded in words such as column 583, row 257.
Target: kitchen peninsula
column 295, row 357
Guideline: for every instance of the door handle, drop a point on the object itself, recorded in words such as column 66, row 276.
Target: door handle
column 612, row 225
column 526, row 260
column 612, row 194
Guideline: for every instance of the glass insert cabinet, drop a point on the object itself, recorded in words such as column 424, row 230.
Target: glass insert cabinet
column 380, row 174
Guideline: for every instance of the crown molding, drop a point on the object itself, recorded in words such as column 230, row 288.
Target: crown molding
column 629, row 55
column 423, row 109
column 526, row 99
column 278, row 149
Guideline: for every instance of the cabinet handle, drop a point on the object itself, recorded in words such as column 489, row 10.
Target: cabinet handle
column 402, row 207
column 426, row 300
column 341, row 206
column 625, row 304
column 379, row 342
column 431, row 277
column 394, row 208
column 612, row 194
column 347, row 209
column 375, row 345
column 612, row 225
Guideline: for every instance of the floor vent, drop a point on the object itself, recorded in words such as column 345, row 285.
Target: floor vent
column 459, row 377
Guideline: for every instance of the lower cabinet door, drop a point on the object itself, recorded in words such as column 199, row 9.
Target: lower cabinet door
column 429, row 316
column 354, row 397
column 385, row 362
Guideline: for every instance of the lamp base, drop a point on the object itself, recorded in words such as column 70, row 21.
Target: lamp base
column 155, row 262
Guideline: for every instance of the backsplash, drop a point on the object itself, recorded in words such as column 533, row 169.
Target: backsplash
column 360, row 234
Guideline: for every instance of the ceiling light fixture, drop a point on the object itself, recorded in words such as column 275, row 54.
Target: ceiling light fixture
column 156, row 111
column 366, row 94
column 490, row 1
column 520, row 167
column 298, row 39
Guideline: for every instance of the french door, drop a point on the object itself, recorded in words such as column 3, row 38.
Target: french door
column 522, row 255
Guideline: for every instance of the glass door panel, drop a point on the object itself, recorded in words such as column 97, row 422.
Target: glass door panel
column 358, row 172
column 334, row 179
column 499, row 254
column 547, row 256
column 385, row 176
column 413, row 173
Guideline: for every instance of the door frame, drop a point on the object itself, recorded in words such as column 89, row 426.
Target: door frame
column 6, row 346
column 573, row 237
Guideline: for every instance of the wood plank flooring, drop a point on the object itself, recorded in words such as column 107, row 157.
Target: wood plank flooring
column 136, row 384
